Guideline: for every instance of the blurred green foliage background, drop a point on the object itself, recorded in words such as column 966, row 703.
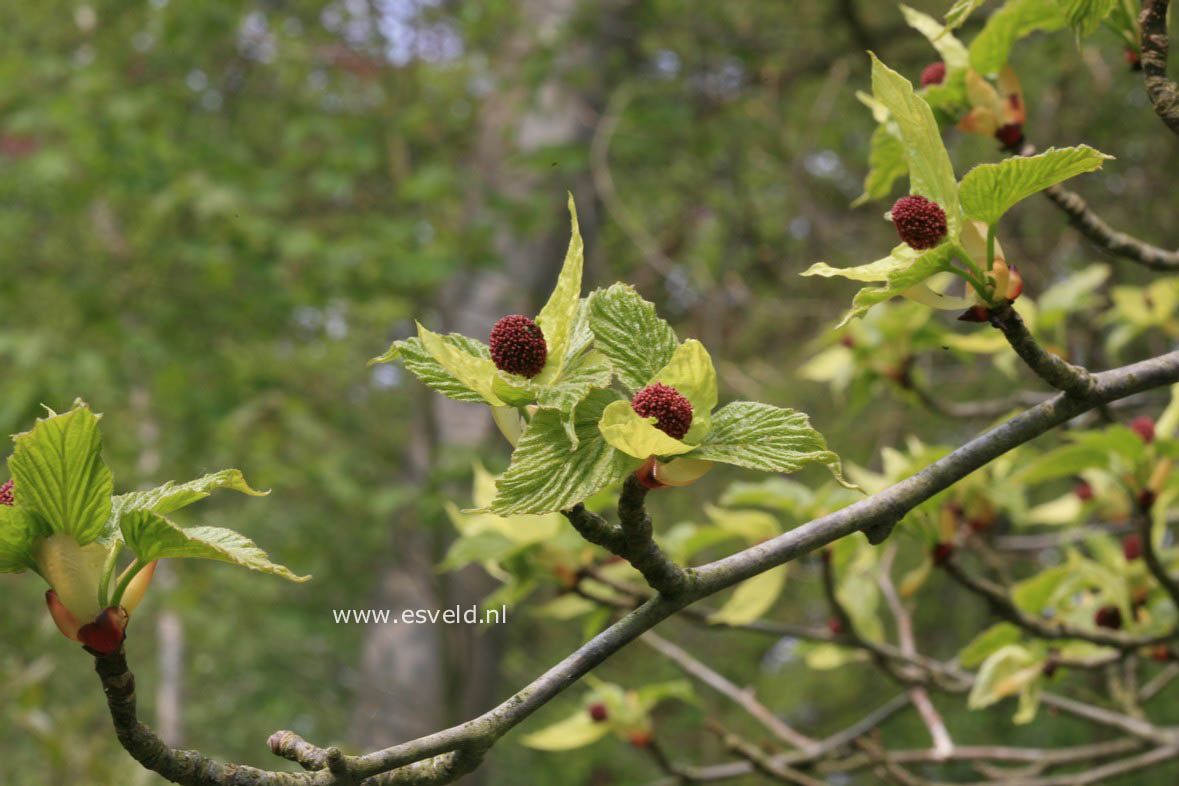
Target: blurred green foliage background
column 212, row 214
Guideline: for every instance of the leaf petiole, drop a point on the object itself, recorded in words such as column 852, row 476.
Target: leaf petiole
column 125, row 580
column 108, row 570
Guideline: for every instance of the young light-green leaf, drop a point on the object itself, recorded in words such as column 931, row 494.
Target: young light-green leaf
column 576, row 731
column 886, row 163
column 477, row 373
column 990, row 190
column 59, row 473
column 151, row 536
column 629, row 332
column 930, row 173
column 1085, row 16
column 960, row 11
column 752, row 598
column 625, row 430
column 767, row 438
column 422, row 365
column 557, row 317
column 174, row 496
column 691, row 373
column 18, row 528
column 588, row 371
column 953, row 53
column 1014, row 20
column 547, row 475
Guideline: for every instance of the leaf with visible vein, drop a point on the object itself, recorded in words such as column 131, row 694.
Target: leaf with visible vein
column 629, row 332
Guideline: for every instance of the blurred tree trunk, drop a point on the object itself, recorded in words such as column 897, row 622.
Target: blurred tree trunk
column 447, row 674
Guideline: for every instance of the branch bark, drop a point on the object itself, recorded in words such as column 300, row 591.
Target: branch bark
column 1164, row 94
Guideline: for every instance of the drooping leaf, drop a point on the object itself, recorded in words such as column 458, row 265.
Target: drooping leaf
column 767, row 438
column 953, row 53
column 989, row 190
column 1004, row 673
column 422, row 365
column 151, row 536
column 629, row 332
column 557, row 318
column 886, row 163
column 59, row 473
column 930, row 173
column 627, row 431
column 752, row 598
column 576, row 731
column 547, row 475
column 173, row 496
column 987, row 642
column 1012, row 21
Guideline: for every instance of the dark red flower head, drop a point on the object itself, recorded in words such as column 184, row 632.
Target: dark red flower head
column 518, row 346
column 934, row 74
column 1011, row 135
column 6, row 493
column 919, row 222
column 672, row 412
column 598, row 712
column 1108, row 617
column 1132, row 547
column 1083, row 491
column 942, row 552
column 1144, row 427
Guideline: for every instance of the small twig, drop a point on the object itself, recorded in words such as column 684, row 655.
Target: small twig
column 742, row 698
column 1073, row 380
column 1116, row 720
column 762, row 762
column 966, row 410
column 1002, row 605
column 1089, row 224
column 1164, row 94
column 1158, row 682
column 1151, row 557
column 942, row 743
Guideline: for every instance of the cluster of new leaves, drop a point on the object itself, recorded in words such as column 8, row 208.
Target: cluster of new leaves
column 572, row 424
column 68, row 526
column 972, row 207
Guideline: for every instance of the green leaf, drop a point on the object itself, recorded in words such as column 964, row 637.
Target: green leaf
column 1085, row 16
column 589, row 371
column 627, row 330
column 18, row 529
column 903, row 269
column 484, row 546
column 151, row 536
column 960, row 11
column 557, row 317
column 634, row 435
column 474, row 372
column 930, row 173
column 174, row 496
column 650, row 695
column 58, row 473
column 760, row 436
column 422, row 365
column 886, row 163
column 752, row 526
column 1004, row 673
column 984, row 644
column 1014, row 20
column 547, row 474
column 1036, row 593
column 752, row 598
column 576, row 731
column 989, row 190
column 690, row 372
column 953, row 53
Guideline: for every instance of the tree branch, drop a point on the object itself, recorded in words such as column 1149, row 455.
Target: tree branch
column 1164, row 94
column 1073, row 380
column 1089, row 224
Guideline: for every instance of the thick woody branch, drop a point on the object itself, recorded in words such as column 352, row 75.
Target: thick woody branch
column 1073, row 380
column 1164, row 94
column 477, row 735
column 633, row 539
